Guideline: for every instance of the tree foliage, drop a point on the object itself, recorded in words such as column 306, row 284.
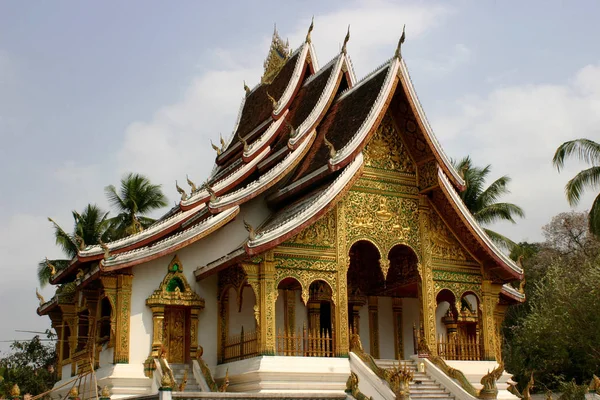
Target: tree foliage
column 31, row 366
column 556, row 332
column 483, row 202
column 587, row 151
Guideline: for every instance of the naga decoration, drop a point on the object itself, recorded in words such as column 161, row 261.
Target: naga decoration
column 246, row 89
column 106, row 249
column 182, row 192
column 79, row 275
column 51, row 267
column 206, row 371
column 184, row 380
column 40, row 297
column 526, row 395
column 193, row 187
column 399, row 379
column 293, row 131
column 251, row 231
column 244, row 143
column 225, row 385
column 310, row 29
column 398, row 53
column 216, row 148
column 332, row 150
column 211, row 192
column 272, row 100
column 489, row 391
column 353, row 390
column 346, row 39
column 80, row 242
column 222, row 141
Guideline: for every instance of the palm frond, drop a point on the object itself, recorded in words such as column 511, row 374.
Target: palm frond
column 498, row 212
column 500, row 240
column 63, row 240
column 594, row 217
column 497, row 189
column 585, row 150
column 43, row 272
column 588, row 178
column 114, row 199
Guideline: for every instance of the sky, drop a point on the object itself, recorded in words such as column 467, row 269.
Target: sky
column 92, row 90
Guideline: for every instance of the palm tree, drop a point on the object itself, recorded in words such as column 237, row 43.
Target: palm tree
column 137, row 196
column 90, row 227
column 587, row 151
column 482, row 201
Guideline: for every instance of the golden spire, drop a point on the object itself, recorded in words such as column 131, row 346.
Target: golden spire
column 273, row 101
column 278, row 55
column 246, row 88
column 15, row 391
column 181, row 191
column 332, row 151
column 251, row 231
column 192, row 184
column 310, row 29
column 39, row 296
column 215, row 148
column 346, row 39
column 398, row 55
column 51, row 267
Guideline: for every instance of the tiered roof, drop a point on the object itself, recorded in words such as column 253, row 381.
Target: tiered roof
column 301, row 131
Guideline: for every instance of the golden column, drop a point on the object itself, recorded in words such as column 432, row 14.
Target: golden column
column 490, row 300
column 158, row 319
column 123, row 311
column 398, row 334
column 374, row 326
column 341, row 335
column 427, row 294
column 194, row 313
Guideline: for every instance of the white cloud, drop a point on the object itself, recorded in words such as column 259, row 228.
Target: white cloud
column 517, row 130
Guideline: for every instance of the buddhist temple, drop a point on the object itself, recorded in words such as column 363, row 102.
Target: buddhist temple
column 328, row 241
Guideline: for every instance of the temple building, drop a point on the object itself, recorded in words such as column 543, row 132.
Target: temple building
column 331, row 214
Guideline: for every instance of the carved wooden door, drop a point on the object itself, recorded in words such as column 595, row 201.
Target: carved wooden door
column 174, row 334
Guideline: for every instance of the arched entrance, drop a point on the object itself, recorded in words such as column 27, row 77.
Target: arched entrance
column 175, row 308
column 389, row 287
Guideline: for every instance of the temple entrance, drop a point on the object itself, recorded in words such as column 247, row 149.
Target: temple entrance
column 175, row 341
column 383, row 302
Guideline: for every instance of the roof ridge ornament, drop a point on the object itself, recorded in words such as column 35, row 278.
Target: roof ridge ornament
column 273, row 101
column 192, row 184
column 215, row 148
column 310, row 29
column 250, row 229
column 346, row 39
column 222, row 142
column 213, row 195
column 293, row 132
column 184, row 195
column 51, row 267
column 332, row 150
column 244, row 142
column 279, row 52
column 40, row 297
column 247, row 89
column 105, row 248
column 398, row 53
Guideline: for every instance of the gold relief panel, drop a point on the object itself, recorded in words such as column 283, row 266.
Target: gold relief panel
column 385, row 220
column 428, row 174
column 374, row 183
column 386, row 151
column 318, row 234
column 444, row 245
column 174, row 289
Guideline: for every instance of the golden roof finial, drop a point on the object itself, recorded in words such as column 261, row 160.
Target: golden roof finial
column 105, row 248
column 181, row 191
column 346, row 39
column 398, row 55
column 80, row 274
column 272, row 100
column 293, row 131
column 310, row 29
column 246, row 88
column 215, row 148
column 251, row 231
column 244, row 142
column 332, row 151
column 223, row 145
column 192, row 184
column 51, row 267
column 211, row 192
column 39, row 296
column 278, row 55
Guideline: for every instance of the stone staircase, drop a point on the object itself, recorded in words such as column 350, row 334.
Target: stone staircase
column 179, row 372
column 422, row 386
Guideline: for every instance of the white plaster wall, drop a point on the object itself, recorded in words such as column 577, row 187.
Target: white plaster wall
column 301, row 312
column 472, row 300
column 279, row 303
column 440, row 311
column 66, row 372
column 410, row 316
column 106, row 356
column 301, row 317
column 386, row 328
column 365, row 329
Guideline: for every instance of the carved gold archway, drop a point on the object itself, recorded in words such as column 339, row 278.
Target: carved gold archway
column 174, row 290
